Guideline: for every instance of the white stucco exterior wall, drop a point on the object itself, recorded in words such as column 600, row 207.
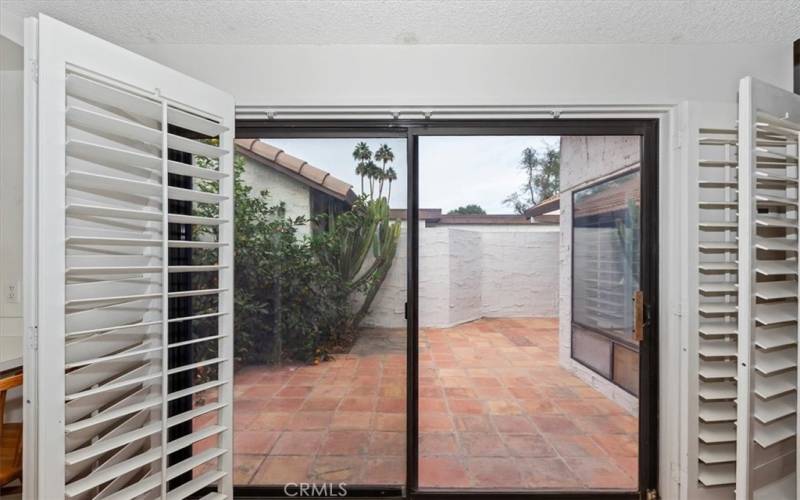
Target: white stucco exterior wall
column 294, row 194
column 434, row 276
column 586, row 160
column 469, row 272
column 388, row 309
column 466, row 275
column 520, row 273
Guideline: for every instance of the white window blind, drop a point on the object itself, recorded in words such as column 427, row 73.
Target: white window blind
column 128, row 409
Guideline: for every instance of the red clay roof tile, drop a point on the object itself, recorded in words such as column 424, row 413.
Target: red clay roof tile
column 274, row 157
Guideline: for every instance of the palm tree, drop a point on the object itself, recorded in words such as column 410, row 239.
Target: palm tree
column 373, row 172
column 361, row 171
column 380, row 176
column 362, row 154
column 384, row 155
column 391, row 175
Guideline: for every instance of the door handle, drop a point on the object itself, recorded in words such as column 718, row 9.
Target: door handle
column 638, row 316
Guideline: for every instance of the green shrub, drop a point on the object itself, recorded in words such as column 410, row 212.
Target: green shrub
column 298, row 298
column 288, row 305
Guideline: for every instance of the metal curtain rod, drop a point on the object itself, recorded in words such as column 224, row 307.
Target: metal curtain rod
column 451, row 112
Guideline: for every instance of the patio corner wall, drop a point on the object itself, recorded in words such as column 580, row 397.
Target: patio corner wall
column 520, row 272
column 585, row 161
column 468, row 272
column 466, row 266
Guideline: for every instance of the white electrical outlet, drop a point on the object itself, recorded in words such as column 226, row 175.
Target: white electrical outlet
column 12, row 293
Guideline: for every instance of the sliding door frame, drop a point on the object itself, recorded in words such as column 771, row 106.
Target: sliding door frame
column 648, row 131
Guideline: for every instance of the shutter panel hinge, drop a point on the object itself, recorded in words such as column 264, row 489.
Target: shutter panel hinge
column 651, row 494
column 35, row 71
column 33, row 339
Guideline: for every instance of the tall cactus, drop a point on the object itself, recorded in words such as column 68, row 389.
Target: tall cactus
column 352, row 236
column 349, row 240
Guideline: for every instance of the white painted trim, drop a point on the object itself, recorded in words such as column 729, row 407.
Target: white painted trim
column 164, row 295
column 226, row 299
column 747, row 207
column 30, row 264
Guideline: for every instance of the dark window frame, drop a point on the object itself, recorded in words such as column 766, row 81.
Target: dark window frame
column 647, row 130
column 796, row 57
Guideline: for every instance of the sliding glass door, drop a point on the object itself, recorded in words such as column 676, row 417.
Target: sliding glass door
column 502, row 405
column 320, row 326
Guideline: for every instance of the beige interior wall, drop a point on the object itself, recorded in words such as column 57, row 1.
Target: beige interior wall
column 11, row 148
column 11, row 122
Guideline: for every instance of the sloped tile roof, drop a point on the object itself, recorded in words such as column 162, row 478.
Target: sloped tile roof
column 614, row 197
column 545, row 206
column 299, row 169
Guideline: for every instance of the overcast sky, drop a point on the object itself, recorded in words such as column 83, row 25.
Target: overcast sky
column 454, row 171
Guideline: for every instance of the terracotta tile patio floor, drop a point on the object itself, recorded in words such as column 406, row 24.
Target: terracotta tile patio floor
column 496, row 411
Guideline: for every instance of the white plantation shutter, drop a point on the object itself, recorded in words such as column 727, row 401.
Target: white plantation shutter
column 713, row 327
column 108, row 371
column 769, row 128
column 742, row 422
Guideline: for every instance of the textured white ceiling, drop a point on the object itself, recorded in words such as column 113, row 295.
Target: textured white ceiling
column 425, row 22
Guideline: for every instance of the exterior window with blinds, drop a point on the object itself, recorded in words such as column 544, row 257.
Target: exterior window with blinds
column 605, row 276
